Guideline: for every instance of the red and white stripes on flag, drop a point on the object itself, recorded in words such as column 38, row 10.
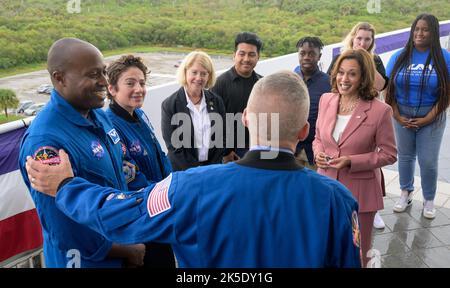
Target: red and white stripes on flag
column 20, row 229
column 158, row 199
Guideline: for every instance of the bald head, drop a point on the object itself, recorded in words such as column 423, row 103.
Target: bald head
column 64, row 52
column 284, row 94
column 77, row 71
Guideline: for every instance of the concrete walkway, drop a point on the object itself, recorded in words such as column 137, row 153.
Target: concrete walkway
column 409, row 240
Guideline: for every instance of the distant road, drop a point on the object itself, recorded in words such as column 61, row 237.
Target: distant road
column 163, row 67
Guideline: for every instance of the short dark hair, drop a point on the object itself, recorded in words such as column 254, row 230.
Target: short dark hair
column 312, row 41
column 119, row 66
column 249, row 38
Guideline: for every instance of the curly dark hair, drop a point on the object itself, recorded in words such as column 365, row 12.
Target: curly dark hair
column 119, row 66
column 312, row 41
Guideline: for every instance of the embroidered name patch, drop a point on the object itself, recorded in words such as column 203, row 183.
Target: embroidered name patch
column 47, row 155
column 158, row 199
column 114, row 136
column 129, row 171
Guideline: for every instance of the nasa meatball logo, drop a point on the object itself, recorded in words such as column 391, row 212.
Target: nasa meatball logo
column 47, row 155
column 135, row 148
column 97, row 149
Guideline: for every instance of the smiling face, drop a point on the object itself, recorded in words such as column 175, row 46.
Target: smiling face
column 363, row 39
column 422, row 35
column 83, row 83
column 196, row 78
column 348, row 78
column 129, row 92
column 245, row 59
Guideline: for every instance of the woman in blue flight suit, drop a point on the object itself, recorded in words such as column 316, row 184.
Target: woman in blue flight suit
column 127, row 77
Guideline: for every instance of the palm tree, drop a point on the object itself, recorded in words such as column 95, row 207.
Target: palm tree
column 8, row 99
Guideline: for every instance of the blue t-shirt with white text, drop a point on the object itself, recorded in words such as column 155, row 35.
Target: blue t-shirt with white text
column 412, row 95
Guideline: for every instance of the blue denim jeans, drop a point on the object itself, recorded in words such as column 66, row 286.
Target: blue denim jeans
column 423, row 143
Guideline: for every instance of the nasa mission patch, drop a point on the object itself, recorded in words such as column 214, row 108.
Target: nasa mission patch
column 47, row 155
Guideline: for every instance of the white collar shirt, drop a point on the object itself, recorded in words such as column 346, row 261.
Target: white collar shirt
column 202, row 126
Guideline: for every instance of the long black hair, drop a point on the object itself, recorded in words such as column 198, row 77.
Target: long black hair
column 439, row 65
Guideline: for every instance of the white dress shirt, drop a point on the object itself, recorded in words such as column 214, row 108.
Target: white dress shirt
column 341, row 123
column 202, row 126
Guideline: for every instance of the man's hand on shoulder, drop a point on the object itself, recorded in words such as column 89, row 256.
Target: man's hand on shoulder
column 47, row 178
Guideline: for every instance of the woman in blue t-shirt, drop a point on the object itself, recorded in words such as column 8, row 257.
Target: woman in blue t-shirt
column 419, row 95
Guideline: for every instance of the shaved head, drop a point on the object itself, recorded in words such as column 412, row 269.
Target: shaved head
column 77, row 71
column 64, row 52
column 284, row 94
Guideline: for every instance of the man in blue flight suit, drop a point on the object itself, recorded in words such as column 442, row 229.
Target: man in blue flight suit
column 264, row 210
column 71, row 121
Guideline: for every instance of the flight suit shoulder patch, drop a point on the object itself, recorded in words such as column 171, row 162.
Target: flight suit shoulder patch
column 47, row 155
column 355, row 229
column 158, row 198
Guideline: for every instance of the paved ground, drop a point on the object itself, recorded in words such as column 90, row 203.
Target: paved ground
column 410, row 240
column 163, row 68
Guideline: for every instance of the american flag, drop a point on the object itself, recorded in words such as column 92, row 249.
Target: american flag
column 158, row 199
column 20, row 229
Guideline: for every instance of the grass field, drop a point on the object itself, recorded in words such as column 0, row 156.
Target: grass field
column 11, row 117
column 29, row 27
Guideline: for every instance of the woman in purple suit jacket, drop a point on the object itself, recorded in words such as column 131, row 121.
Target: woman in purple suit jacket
column 355, row 136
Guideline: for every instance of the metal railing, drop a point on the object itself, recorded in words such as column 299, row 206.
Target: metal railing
column 30, row 259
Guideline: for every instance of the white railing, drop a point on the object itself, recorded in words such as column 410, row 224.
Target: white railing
column 30, row 259
column 385, row 43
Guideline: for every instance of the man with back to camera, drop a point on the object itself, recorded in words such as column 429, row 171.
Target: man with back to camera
column 235, row 86
column 318, row 83
column 264, row 210
column 72, row 121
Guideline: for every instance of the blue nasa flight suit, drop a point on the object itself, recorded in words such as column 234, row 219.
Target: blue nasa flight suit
column 152, row 165
column 95, row 154
column 253, row 213
column 139, row 138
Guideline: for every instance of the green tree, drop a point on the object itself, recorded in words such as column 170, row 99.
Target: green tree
column 8, row 99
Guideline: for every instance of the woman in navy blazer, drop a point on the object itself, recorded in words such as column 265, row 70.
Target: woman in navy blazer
column 193, row 118
column 355, row 137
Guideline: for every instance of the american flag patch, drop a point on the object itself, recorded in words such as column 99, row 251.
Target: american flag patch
column 158, row 199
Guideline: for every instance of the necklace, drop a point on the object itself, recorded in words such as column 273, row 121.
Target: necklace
column 349, row 108
column 196, row 102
